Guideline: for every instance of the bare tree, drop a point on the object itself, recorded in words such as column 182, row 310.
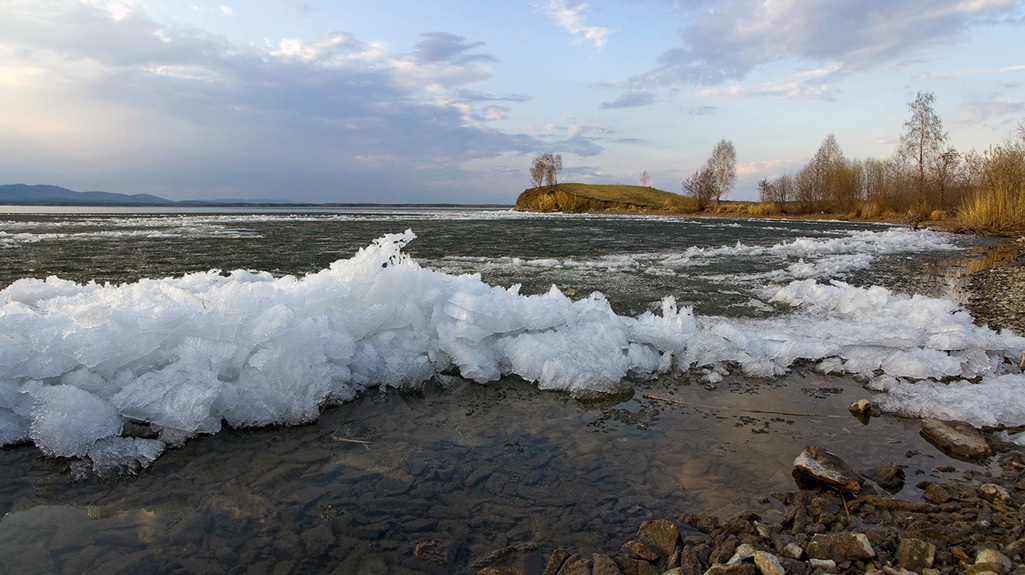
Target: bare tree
column 545, row 168
column 922, row 143
column 778, row 191
column 554, row 167
column 537, row 171
column 645, row 179
column 723, row 166
column 701, row 187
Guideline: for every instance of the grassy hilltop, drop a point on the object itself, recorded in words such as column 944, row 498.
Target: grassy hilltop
column 577, row 198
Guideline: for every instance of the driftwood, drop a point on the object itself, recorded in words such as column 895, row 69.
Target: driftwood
column 347, row 440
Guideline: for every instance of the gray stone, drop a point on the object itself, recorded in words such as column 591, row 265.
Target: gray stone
column 768, row 564
column 890, row 477
column 744, row 552
column 603, row 565
column 994, row 561
column 637, row 550
column 840, row 547
column 992, row 492
column 661, row 534
column 822, row 466
column 915, row 554
column 738, row 569
column 555, row 561
column 576, row 565
column 955, row 438
column 825, row 564
column 630, row 566
column 793, row 551
column 934, row 493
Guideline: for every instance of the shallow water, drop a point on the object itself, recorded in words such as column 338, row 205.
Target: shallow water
column 482, row 466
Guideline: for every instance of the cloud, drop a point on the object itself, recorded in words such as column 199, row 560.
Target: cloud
column 703, row 110
column 133, row 91
column 971, row 72
column 630, row 100
column 795, row 88
column 980, row 110
column 723, row 43
column 571, row 18
column 475, row 96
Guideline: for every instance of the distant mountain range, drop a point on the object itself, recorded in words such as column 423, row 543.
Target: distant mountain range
column 26, row 195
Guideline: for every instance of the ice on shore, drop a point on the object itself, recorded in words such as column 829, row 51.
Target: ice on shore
column 185, row 355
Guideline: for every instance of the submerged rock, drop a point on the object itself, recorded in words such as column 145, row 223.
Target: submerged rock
column 955, row 438
column 816, row 464
column 890, row 477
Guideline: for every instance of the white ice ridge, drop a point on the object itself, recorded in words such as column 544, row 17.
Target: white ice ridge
column 185, row 355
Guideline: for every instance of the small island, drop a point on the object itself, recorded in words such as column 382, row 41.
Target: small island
column 597, row 198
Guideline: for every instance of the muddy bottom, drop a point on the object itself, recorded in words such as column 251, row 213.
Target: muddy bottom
column 475, row 467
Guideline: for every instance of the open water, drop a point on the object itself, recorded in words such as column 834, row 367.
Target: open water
column 476, row 467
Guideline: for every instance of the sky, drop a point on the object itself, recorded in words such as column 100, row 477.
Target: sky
column 446, row 101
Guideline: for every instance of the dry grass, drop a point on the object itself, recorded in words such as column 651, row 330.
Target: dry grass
column 999, row 209
column 764, row 209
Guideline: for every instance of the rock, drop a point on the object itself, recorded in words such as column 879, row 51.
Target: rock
column 934, row 493
column 992, row 492
column 576, row 565
column 603, row 565
column 555, row 561
column 915, row 554
column 768, row 564
column 744, row 552
column 628, row 566
column 861, row 409
column 890, row 477
column 844, row 546
column 523, row 558
column 739, row 569
column 955, row 438
column 792, row 551
column 993, row 560
column 637, row 550
column 1015, row 548
column 822, row 466
column 824, row 564
column 703, row 523
column 661, row 534
column 435, row 551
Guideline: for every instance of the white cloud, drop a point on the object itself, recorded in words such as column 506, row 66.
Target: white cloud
column 972, row 72
column 102, row 91
column 571, row 18
column 980, row 110
column 725, row 42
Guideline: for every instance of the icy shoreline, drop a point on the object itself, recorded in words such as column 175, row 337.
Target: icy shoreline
column 182, row 356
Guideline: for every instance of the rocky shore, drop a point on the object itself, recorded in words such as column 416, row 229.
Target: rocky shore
column 974, row 525
column 844, row 523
